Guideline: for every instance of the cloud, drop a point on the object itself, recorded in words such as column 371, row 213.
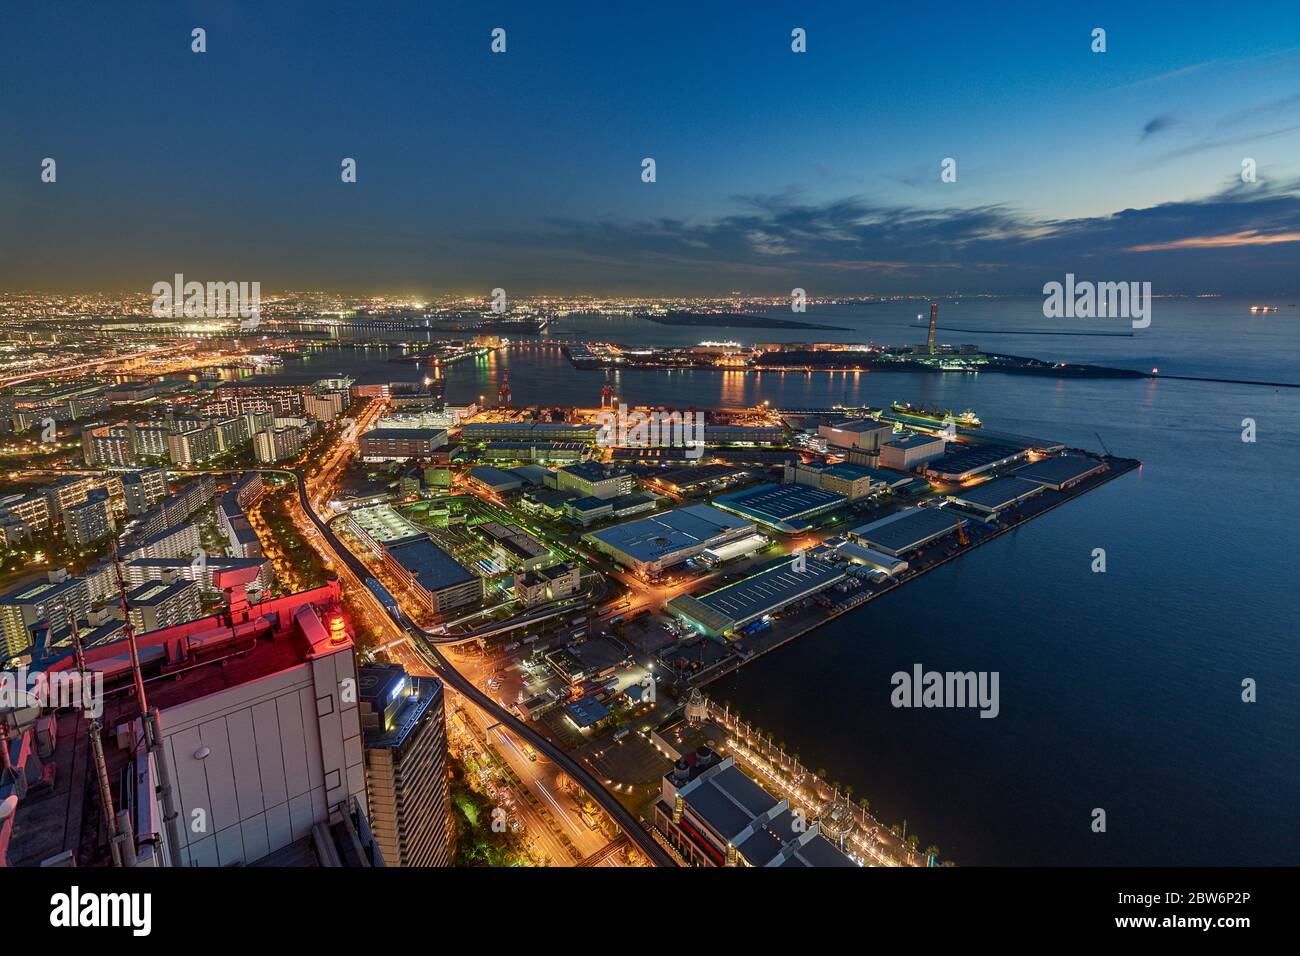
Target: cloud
column 1156, row 125
column 1238, row 237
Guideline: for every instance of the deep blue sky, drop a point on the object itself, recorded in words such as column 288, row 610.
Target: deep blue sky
column 775, row 169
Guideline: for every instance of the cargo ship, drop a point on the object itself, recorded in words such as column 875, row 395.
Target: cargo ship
column 936, row 416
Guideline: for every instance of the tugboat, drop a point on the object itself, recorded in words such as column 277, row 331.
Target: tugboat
column 936, row 416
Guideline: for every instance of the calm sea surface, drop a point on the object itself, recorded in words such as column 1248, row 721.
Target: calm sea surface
column 1119, row 690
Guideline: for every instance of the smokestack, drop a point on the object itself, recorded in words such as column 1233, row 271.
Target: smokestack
column 934, row 317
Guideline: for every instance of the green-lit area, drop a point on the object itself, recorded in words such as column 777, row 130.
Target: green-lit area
column 477, row 842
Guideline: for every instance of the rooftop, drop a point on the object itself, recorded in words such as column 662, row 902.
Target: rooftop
column 651, row 538
column 908, row 528
column 763, row 592
column 431, row 566
column 1055, row 471
column 781, row 506
column 914, row 441
column 999, row 492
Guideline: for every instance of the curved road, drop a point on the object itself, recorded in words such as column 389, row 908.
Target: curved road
column 645, row 842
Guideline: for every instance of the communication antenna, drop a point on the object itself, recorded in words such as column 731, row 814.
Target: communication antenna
column 95, row 733
column 136, row 675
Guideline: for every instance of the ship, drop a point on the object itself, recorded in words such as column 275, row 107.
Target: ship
column 937, row 416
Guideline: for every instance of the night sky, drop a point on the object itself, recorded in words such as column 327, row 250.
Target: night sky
column 774, row 169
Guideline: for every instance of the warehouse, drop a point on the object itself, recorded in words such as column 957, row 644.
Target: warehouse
column 1063, row 472
column 911, row 451
column 528, row 432
column 436, row 579
column 877, row 560
column 993, row 496
column 785, row 508
column 729, row 609
column 398, row 444
column 534, row 450
column 864, row 433
column 741, row 547
column 495, row 479
column 699, row 478
column 967, row 461
column 650, row 545
column 907, row 530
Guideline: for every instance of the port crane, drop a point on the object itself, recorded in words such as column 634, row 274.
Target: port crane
column 1103, row 445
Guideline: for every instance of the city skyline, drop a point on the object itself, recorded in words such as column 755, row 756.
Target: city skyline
column 774, row 169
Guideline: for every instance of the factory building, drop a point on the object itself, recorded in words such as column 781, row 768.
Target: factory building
column 726, row 611
column 907, row 530
column 398, row 444
column 865, row 434
column 534, row 451
column 994, row 496
column 910, row 451
column 965, row 462
column 1061, row 472
column 514, row 547
column 590, row 478
column 528, row 432
column 495, row 480
column 785, row 508
column 436, row 579
column 652, row 544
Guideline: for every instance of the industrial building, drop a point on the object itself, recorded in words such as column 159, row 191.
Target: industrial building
column 699, row 478
column 528, row 432
column 965, row 462
column 785, row 508
column 852, row 481
column 534, row 451
column 868, row 557
column 590, row 478
column 495, row 480
column 907, row 530
column 741, row 547
column 588, row 509
column 996, row 495
column 436, row 579
column 405, row 738
column 866, row 434
column 398, row 444
column 910, row 451
column 652, row 544
column 712, row 814
column 727, row 610
column 1062, row 472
